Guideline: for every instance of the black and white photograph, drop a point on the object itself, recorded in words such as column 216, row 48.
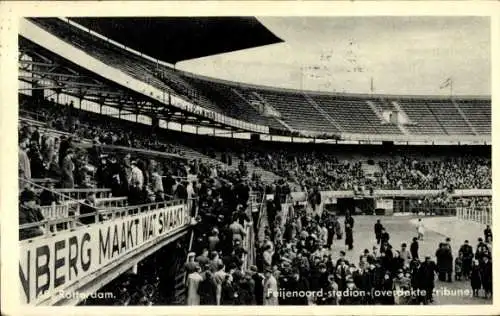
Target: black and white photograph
column 254, row 161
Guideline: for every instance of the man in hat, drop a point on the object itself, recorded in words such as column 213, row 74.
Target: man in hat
column 220, row 276
column 414, row 248
column 384, row 236
column 191, row 264
column 486, row 276
column 258, row 280
column 298, row 284
column 467, row 256
column 29, row 212
column 48, row 195
column 378, row 231
column 136, row 183
column 203, row 259
column 68, row 168
column 488, row 234
column 88, row 208
column 426, row 274
column 349, row 240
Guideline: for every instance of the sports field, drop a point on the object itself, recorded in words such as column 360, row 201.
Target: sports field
column 401, row 229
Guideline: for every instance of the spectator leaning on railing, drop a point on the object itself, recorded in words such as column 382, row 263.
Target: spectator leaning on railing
column 29, row 212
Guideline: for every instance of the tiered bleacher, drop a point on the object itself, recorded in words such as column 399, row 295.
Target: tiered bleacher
column 314, row 112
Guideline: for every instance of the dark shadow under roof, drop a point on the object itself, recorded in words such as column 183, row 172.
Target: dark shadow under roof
column 174, row 39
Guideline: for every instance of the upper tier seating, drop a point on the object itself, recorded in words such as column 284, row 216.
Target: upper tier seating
column 297, row 111
column 353, row 114
column 233, row 101
column 478, row 112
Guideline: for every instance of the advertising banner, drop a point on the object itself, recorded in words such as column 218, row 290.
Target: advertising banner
column 49, row 265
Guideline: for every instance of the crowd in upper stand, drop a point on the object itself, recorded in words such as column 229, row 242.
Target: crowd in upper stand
column 464, row 172
column 309, row 168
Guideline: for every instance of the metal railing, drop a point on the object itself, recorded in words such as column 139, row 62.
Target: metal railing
column 481, row 215
column 249, row 240
column 66, row 216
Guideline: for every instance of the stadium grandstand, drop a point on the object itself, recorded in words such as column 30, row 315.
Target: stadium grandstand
column 144, row 184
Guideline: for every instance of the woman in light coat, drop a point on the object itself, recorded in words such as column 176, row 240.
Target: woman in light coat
column 193, row 282
column 270, row 289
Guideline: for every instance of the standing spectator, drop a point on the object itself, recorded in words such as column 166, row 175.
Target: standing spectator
column 219, row 277
column 348, row 236
column 488, row 234
column 237, row 230
column 136, row 184
column 270, row 289
column 486, row 276
column 378, row 231
column 405, row 255
column 193, row 282
column 467, row 256
column 68, row 168
column 420, row 229
column 475, row 277
column 258, row 285
column 208, row 289
column 414, row 248
column 36, row 162
column 426, row 276
column 24, row 163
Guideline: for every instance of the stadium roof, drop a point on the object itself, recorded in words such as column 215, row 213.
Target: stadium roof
column 48, row 70
column 174, row 39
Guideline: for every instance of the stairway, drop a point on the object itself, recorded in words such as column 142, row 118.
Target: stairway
column 400, row 111
column 465, row 117
column 322, row 112
column 278, row 118
column 376, row 110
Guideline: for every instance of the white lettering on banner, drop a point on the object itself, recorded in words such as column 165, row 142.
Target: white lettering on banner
column 50, row 265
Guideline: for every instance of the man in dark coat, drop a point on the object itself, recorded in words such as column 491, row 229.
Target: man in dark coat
column 298, row 284
column 384, row 237
column 378, row 230
column 414, row 248
column 259, row 285
column 486, row 271
column 48, row 195
column 426, row 278
column 349, row 220
column 488, row 234
column 440, row 260
column 330, row 226
column 208, row 290
column 467, row 256
column 29, row 212
column 349, row 237
column 88, row 208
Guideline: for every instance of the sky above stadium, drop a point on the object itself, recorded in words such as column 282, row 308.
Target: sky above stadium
column 403, row 55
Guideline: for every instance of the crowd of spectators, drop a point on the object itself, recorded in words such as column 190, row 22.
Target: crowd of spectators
column 294, row 255
column 296, row 266
column 464, row 172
